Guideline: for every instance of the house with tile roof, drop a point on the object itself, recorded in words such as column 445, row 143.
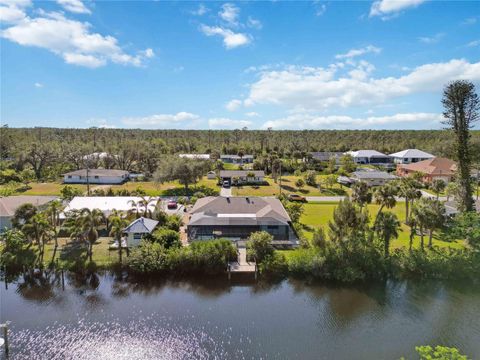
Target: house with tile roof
column 432, row 169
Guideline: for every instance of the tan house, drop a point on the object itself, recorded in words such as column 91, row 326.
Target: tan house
column 432, row 169
column 9, row 204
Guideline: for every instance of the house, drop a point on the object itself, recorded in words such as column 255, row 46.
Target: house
column 410, row 156
column 139, row 228
column 96, row 176
column 195, row 156
column 325, row 156
column 372, row 178
column 451, row 207
column 432, row 169
column 235, row 159
column 107, row 204
column 237, row 177
column 371, row 157
column 211, row 175
column 235, row 218
column 9, row 204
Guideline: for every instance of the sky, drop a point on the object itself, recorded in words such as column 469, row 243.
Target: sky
column 226, row 65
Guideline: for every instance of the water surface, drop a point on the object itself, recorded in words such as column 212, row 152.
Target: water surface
column 105, row 317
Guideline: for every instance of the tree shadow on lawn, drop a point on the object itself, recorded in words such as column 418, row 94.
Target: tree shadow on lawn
column 74, row 255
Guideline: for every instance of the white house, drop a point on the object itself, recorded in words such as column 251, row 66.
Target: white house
column 195, row 156
column 108, row 203
column 235, row 177
column 235, row 159
column 96, row 176
column 410, row 156
column 372, row 178
column 138, row 228
column 372, row 157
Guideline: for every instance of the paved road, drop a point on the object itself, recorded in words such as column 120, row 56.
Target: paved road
column 226, row 191
column 325, row 198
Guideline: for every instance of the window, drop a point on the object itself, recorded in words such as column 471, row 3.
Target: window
column 137, row 236
column 96, row 176
column 69, row 176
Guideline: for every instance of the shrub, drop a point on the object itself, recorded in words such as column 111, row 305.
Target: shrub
column 259, row 245
column 274, row 265
column 167, row 238
column 148, row 258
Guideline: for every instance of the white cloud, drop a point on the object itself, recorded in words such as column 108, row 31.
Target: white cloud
column 358, row 52
column 100, row 123
column 230, row 13
column 254, row 23
column 431, row 39
column 13, row 11
column 200, row 11
column 308, row 121
column 75, row 6
column 38, row 85
column 72, row 40
column 226, row 123
column 322, row 88
column 233, row 105
column 252, row 114
column 170, row 121
column 230, row 39
column 471, row 20
column 473, row 43
column 389, row 8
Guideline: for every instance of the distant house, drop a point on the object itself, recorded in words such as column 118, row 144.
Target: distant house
column 235, row 218
column 372, row 178
column 96, row 176
column 211, row 175
column 371, row 157
column 325, row 156
column 432, row 169
column 410, row 156
column 451, row 207
column 138, row 229
column 107, row 204
column 237, row 177
column 9, row 204
column 195, row 156
column 235, row 159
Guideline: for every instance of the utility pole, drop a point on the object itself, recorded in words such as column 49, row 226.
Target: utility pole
column 5, row 338
column 88, row 181
column 280, row 179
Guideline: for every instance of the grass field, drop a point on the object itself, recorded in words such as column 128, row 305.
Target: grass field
column 318, row 215
column 288, row 187
column 155, row 189
column 53, row 188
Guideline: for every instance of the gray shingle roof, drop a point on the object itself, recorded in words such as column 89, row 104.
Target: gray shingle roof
column 238, row 211
column 236, row 157
column 373, row 175
column 9, row 204
column 97, row 172
column 141, row 226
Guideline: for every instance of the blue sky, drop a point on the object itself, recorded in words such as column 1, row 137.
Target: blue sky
column 226, row 65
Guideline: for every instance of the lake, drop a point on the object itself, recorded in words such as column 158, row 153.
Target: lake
column 105, row 317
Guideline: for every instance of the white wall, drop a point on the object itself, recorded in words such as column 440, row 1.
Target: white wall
column 74, row 179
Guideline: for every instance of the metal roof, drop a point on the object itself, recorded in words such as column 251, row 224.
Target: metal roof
column 141, row 226
column 373, row 175
column 241, row 173
column 367, row 153
column 412, row 154
column 97, row 172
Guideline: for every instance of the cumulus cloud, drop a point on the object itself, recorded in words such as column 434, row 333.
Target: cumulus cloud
column 358, row 52
column 252, row 114
column 229, row 13
column 309, row 121
column 75, row 6
column 100, row 123
column 474, row 43
column 72, row 40
column 390, row 8
column 200, row 11
column 13, row 11
column 38, row 85
column 170, row 121
column 321, row 88
column 231, row 39
column 233, row 105
column 227, row 123
column 254, row 23
column 320, row 9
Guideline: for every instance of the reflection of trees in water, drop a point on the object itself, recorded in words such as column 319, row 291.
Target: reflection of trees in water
column 39, row 285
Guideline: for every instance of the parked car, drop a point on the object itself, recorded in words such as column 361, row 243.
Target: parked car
column 296, row 197
column 172, row 204
column 226, row 184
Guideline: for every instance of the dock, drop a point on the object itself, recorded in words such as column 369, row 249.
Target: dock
column 242, row 265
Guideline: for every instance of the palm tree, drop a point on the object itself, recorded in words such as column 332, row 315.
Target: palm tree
column 361, row 194
column 438, row 186
column 409, row 189
column 141, row 207
column 385, row 197
column 117, row 226
column 40, row 231
column 420, row 215
column 386, row 228
column 53, row 211
column 436, row 218
column 451, row 189
column 90, row 221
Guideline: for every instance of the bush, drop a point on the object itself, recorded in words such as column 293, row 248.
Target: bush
column 274, row 265
column 148, row 258
column 167, row 238
column 259, row 245
column 173, row 222
column 16, row 251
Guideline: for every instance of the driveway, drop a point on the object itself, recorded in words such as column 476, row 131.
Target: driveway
column 226, row 191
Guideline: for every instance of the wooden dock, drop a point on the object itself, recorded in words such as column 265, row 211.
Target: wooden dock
column 242, row 265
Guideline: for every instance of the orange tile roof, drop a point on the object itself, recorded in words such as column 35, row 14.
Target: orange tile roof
column 435, row 166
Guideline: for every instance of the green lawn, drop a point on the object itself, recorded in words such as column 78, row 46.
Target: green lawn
column 155, row 189
column 318, row 215
column 70, row 252
column 52, row 188
column 288, row 187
